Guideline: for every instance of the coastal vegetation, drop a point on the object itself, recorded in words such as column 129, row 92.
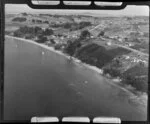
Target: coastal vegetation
column 137, row 77
column 72, row 25
column 41, row 39
column 85, row 34
column 100, row 57
column 32, row 32
column 19, row 19
column 72, row 35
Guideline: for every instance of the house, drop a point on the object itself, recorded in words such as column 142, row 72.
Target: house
column 74, row 36
column 130, row 44
column 61, row 37
column 56, row 41
column 120, row 39
column 43, row 28
column 92, row 36
column 127, row 57
column 53, row 36
column 109, row 43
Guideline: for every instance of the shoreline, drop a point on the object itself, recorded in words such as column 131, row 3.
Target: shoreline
column 115, row 81
column 94, row 68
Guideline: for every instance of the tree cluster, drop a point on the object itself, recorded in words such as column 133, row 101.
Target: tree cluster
column 32, row 31
column 72, row 47
column 85, row 34
column 19, row 19
column 72, row 26
column 41, row 39
column 39, row 21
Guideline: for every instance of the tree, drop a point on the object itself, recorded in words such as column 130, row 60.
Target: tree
column 67, row 25
column 20, row 19
column 48, row 32
column 38, row 30
column 39, row 21
column 117, row 63
column 101, row 34
column 58, row 47
column 24, row 14
column 140, row 84
column 17, row 33
column 33, row 20
column 84, row 24
column 72, row 46
column 52, row 41
column 46, row 22
column 28, row 31
column 29, row 36
column 114, row 72
column 41, row 39
column 85, row 34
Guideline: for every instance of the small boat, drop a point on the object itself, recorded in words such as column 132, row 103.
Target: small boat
column 43, row 53
column 85, row 82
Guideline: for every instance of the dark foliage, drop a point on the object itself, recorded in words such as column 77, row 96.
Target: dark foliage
column 52, row 41
column 19, row 19
column 58, row 47
column 38, row 21
column 41, row 39
column 114, row 68
column 48, row 32
column 141, row 84
column 29, row 36
column 28, row 30
column 24, row 14
column 34, row 31
column 101, row 34
column 85, row 34
column 99, row 56
column 84, row 24
column 114, row 72
column 137, row 77
column 33, row 20
column 137, row 70
column 72, row 47
column 72, row 26
column 17, row 33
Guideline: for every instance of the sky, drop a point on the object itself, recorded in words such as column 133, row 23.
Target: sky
column 128, row 11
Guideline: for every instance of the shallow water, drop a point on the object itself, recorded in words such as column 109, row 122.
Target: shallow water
column 39, row 82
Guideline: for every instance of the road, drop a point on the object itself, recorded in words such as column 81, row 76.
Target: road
column 119, row 45
column 126, row 47
column 134, row 50
column 95, row 27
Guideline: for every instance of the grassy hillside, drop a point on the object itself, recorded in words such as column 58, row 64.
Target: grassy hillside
column 137, row 77
column 99, row 55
